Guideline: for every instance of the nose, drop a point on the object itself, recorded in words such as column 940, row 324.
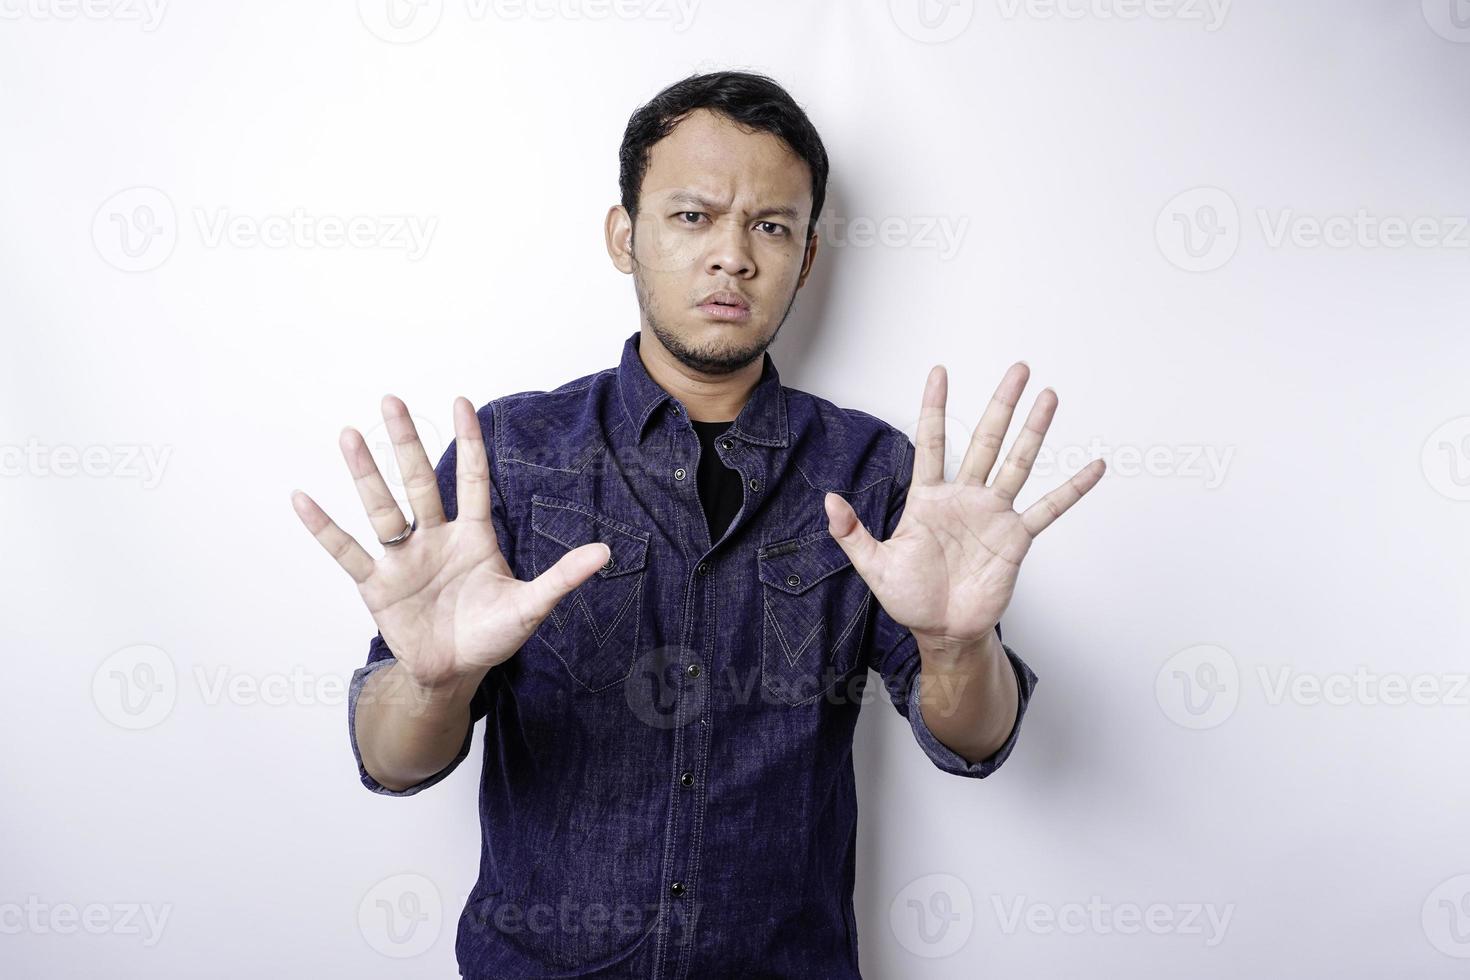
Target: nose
column 729, row 251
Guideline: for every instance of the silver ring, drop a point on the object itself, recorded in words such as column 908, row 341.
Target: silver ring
column 399, row 538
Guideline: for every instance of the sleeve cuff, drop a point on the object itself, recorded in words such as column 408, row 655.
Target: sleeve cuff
column 948, row 759
column 359, row 678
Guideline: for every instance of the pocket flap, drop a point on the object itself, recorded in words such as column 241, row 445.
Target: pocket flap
column 798, row 564
column 572, row 525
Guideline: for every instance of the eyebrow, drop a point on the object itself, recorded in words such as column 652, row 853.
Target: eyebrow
column 775, row 210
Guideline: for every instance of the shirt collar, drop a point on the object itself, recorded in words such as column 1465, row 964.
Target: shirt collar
column 762, row 420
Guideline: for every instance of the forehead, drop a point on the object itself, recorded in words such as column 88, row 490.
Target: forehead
column 709, row 154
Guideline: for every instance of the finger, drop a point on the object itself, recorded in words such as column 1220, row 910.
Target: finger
column 1038, row 516
column 929, row 438
column 339, row 544
column 568, row 572
column 854, row 538
column 990, row 433
column 382, row 510
column 1017, row 467
column 471, row 468
column 418, row 473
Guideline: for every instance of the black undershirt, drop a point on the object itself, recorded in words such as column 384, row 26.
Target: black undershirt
column 720, row 491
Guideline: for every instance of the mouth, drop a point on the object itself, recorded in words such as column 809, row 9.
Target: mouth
column 725, row 305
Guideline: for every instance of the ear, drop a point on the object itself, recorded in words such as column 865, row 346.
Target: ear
column 808, row 259
column 618, row 231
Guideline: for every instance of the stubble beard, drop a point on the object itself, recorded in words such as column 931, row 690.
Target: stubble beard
column 716, row 358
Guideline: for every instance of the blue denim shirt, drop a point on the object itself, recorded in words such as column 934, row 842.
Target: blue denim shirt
column 667, row 786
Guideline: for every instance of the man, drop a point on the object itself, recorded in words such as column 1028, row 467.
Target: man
column 658, row 585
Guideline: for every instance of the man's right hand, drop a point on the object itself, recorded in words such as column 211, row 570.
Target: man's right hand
column 446, row 602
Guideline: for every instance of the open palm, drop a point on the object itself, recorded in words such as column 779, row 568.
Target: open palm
column 949, row 569
column 447, row 603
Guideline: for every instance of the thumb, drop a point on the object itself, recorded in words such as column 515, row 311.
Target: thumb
column 569, row 571
column 843, row 524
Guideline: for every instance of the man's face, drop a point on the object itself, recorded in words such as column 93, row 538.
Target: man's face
column 721, row 211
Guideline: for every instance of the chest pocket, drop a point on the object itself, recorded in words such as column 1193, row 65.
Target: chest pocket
column 815, row 613
column 594, row 629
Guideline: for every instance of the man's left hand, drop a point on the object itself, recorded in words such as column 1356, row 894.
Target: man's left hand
column 949, row 570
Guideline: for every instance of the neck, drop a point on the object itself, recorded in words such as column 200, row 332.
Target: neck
column 706, row 397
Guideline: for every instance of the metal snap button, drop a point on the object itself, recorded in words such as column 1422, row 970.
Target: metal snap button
column 679, row 473
column 793, row 580
column 755, row 484
column 726, row 443
column 677, row 888
column 692, row 670
column 702, row 568
column 687, row 778
column 607, row 564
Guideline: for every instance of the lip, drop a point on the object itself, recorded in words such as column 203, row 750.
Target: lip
column 725, row 305
column 725, row 312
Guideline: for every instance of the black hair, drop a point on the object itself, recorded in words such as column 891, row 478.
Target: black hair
column 756, row 102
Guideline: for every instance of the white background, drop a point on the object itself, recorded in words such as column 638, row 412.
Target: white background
column 1162, row 763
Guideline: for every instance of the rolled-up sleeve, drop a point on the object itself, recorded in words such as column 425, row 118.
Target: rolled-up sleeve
column 894, row 654
column 380, row 657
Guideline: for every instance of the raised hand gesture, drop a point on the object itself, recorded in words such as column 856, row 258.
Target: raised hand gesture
column 949, row 569
column 447, row 603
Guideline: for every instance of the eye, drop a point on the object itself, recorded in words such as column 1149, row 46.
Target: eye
column 684, row 214
column 771, row 228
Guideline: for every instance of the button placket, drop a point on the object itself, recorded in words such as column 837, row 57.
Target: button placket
column 691, row 748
